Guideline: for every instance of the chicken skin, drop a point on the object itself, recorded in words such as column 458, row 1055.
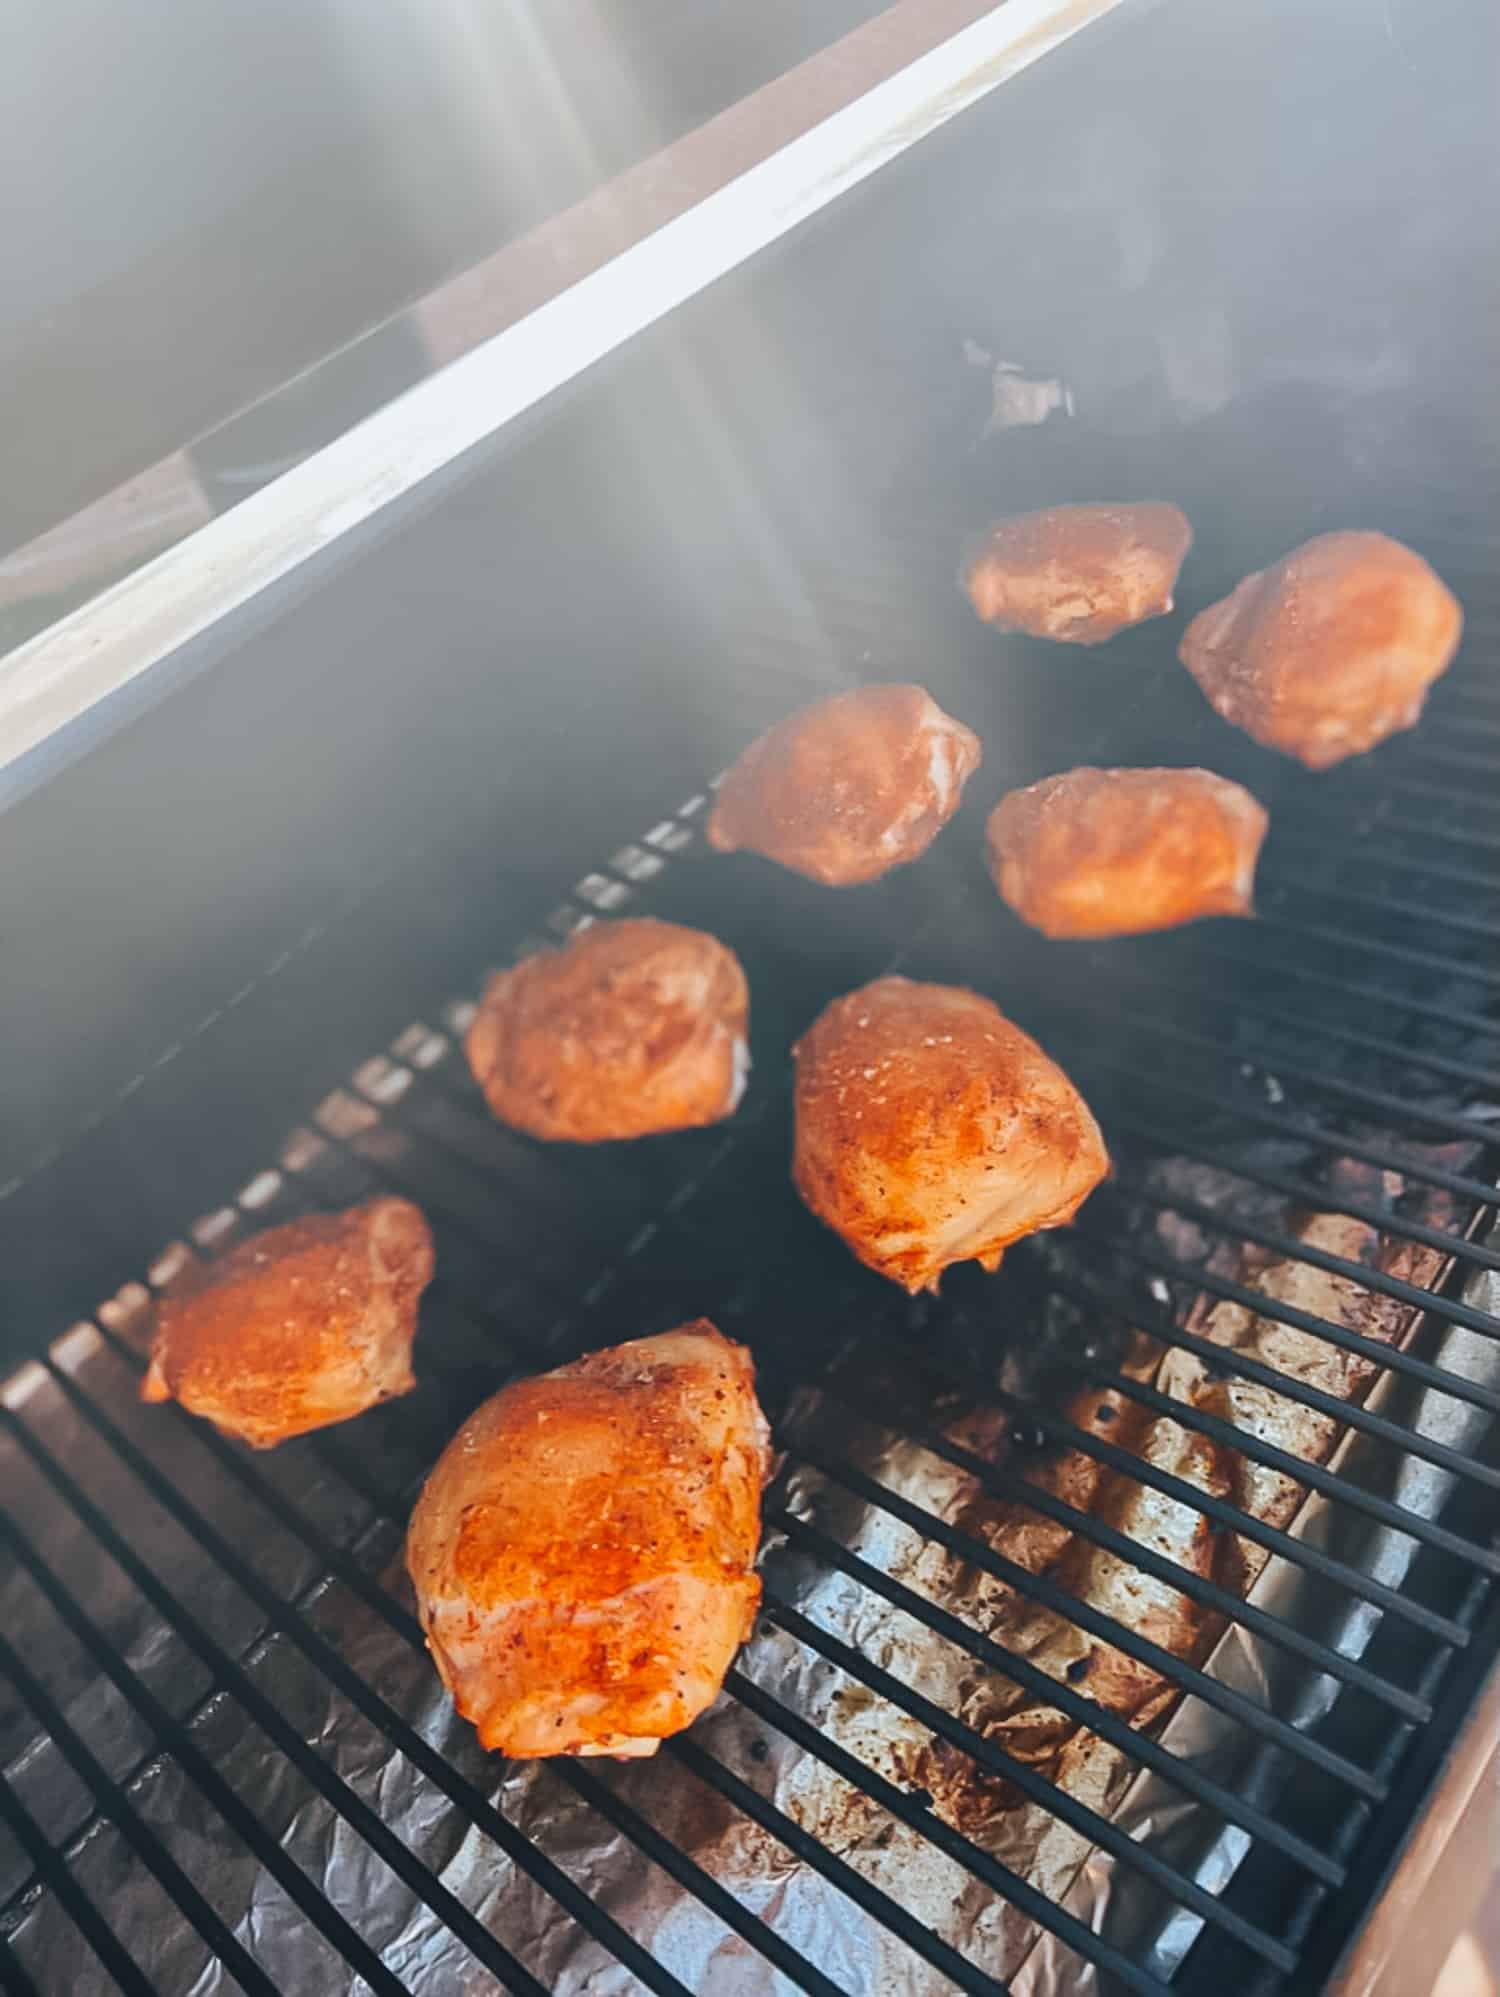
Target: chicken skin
column 1119, row 852
column 930, row 1130
column 635, row 1027
column 848, row 788
column 583, row 1553
column 299, row 1327
column 1079, row 574
column 1328, row 651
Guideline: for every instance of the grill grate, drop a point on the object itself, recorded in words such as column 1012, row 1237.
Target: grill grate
column 211, row 1738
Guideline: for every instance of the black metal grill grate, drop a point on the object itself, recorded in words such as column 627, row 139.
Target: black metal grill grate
column 232, row 1657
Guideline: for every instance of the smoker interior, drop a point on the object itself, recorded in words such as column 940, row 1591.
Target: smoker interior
column 237, row 994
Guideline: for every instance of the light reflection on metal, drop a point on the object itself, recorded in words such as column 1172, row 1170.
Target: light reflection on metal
column 515, row 329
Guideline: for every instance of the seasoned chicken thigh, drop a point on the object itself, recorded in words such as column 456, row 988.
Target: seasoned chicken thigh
column 1079, row 574
column 1328, row 651
column 930, row 1130
column 303, row 1325
column 583, row 1553
column 636, row 1027
column 848, row 788
column 1119, row 852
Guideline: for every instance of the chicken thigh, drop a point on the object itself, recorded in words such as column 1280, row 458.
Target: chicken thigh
column 1079, row 574
column 848, row 788
column 636, row 1027
column 303, row 1325
column 930, row 1130
column 1328, row 651
column 583, row 1553
column 1119, row 852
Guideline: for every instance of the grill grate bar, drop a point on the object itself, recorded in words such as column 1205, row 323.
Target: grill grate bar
column 974, row 1744
column 302, row 1603
column 1411, row 911
column 1346, row 1036
column 1227, row 1360
column 1461, row 877
column 172, row 1735
column 1088, row 1712
column 1347, row 1909
column 1451, row 1309
column 1386, row 856
column 1001, row 1483
column 1380, row 1101
column 113, row 1803
column 1008, row 1884
column 52, row 1867
column 1438, row 722
column 1280, row 1124
column 1425, row 751
column 1446, row 794
column 803, row 1845
column 1303, row 1472
column 1259, row 1451
column 1447, row 835
column 1459, row 969
column 1218, row 947
column 792, row 1963
column 1461, row 694
column 282, row 1618
column 1036, row 1587
column 1299, row 1552
column 1355, row 820
column 1309, row 1193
